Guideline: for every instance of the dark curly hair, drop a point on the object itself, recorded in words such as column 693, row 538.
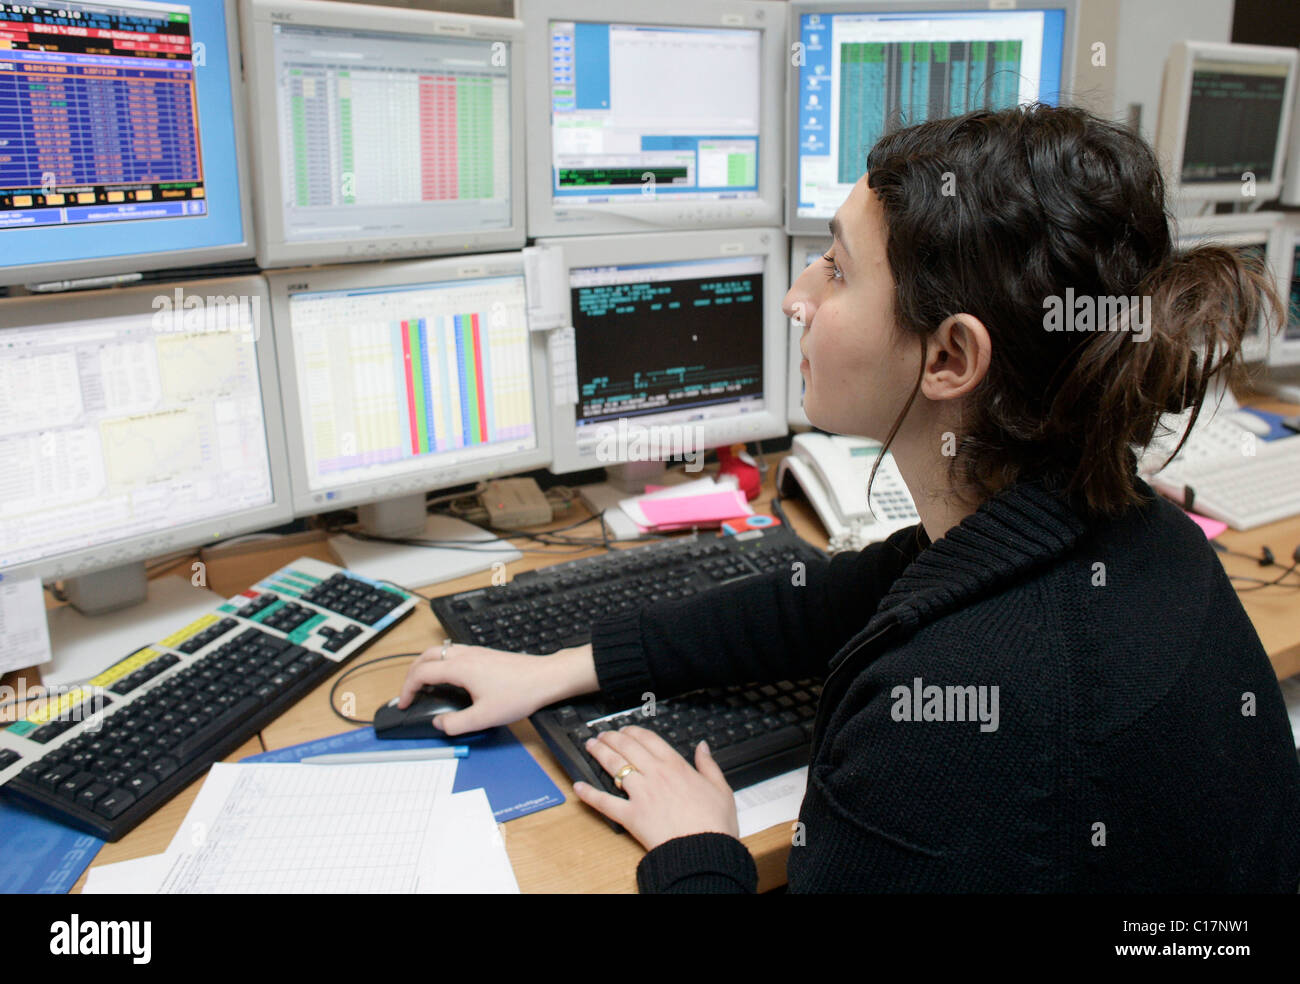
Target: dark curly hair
column 1040, row 199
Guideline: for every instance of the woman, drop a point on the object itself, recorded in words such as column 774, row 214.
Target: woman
column 1131, row 735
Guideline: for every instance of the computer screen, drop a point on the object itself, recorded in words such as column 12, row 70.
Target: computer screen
column 1225, row 113
column 804, row 251
column 864, row 69
column 399, row 378
column 678, row 337
column 134, row 422
column 1285, row 351
column 668, row 117
column 120, row 138
column 383, row 132
column 1256, row 236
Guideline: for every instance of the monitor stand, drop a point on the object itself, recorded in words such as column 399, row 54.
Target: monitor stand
column 622, row 481
column 414, row 567
column 113, row 613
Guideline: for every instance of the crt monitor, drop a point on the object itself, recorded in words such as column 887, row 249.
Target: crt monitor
column 863, row 69
column 1225, row 112
column 383, row 132
column 679, row 343
column 136, row 422
column 1257, row 236
column 653, row 114
column 1290, row 194
column 121, row 132
column 404, row 377
column 1285, row 351
column 804, row 251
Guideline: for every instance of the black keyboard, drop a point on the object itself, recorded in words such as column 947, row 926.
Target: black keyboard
column 106, row 755
column 754, row 731
column 553, row 608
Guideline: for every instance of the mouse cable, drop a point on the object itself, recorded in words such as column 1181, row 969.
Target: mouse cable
column 353, row 669
column 1267, row 584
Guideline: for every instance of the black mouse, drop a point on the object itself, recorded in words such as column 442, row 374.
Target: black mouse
column 416, row 721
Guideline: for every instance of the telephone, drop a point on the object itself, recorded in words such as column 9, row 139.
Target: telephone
column 833, row 470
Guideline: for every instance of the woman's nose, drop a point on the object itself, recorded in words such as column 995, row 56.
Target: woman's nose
column 798, row 303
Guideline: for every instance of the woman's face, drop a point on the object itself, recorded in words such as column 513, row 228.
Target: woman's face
column 857, row 368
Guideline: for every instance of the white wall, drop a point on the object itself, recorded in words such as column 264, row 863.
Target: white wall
column 1145, row 31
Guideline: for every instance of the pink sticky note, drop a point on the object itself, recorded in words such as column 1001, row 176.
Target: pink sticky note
column 1211, row 527
column 712, row 507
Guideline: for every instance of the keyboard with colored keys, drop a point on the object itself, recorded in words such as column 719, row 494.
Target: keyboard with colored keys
column 105, row 755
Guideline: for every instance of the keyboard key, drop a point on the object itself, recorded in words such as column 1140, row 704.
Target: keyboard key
column 760, row 746
column 115, row 803
column 74, row 784
column 92, row 794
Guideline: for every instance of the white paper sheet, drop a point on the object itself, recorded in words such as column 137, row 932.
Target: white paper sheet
column 24, row 633
column 562, row 351
column 546, row 286
column 139, row 876
column 474, row 861
column 293, row 828
column 772, row 801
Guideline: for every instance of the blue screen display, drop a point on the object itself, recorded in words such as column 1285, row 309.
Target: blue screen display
column 117, row 132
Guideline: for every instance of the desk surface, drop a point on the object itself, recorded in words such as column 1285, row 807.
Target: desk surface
column 569, row 848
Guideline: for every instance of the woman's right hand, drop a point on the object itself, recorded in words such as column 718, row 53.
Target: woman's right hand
column 504, row 686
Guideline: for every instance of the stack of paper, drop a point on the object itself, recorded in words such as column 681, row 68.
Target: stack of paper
column 703, row 502
column 279, row 828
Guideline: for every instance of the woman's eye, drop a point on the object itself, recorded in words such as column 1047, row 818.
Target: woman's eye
column 832, row 271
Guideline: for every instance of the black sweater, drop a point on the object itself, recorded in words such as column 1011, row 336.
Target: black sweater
column 1142, row 743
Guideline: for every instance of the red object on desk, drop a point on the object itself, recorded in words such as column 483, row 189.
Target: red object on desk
column 744, row 469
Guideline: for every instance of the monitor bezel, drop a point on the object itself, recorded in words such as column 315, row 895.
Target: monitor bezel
column 1235, row 229
column 766, row 16
column 273, row 250
column 284, row 284
column 772, row 244
column 1175, row 103
column 38, row 273
column 34, row 311
column 797, row 225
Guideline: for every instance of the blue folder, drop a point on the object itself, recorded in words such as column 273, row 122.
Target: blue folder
column 40, row 856
column 515, row 784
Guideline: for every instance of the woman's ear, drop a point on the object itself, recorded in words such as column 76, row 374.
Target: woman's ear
column 957, row 358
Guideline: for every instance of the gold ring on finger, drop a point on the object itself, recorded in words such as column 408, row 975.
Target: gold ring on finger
column 618, row 776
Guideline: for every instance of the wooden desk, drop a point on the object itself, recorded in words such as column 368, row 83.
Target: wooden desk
column 569, row 848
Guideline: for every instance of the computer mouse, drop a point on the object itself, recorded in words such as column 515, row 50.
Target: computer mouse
column 416, row 721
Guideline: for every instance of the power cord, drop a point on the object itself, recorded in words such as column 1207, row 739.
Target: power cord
column 1265, row 559
column 352, row 671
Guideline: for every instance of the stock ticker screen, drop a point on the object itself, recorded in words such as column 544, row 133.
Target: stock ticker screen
column 1233, row 119
column 98, row 114
column 662, row 337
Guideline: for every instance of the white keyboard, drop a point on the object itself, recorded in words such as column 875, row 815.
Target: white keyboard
column 1239, row 489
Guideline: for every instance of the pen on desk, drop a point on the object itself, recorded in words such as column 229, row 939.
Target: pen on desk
column 400, row 755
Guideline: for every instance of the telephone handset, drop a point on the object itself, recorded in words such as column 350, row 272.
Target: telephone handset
column 833, row 470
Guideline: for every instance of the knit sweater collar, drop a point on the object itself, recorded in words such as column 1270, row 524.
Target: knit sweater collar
column 1018, row 530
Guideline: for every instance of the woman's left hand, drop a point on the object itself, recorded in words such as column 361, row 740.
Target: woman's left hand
column 666, row 797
